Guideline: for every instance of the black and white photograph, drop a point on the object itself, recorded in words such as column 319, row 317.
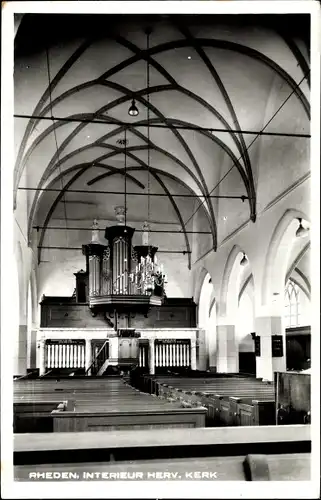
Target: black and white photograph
column 160, row 249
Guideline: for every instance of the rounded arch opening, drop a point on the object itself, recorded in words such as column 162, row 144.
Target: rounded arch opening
column 236, row 312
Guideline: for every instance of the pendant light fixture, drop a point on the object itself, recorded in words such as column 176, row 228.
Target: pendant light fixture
column 133, row 110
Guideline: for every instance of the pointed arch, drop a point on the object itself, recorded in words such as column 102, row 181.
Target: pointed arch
column 273, row 249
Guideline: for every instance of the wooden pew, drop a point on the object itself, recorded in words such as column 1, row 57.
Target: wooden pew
column 108, row 405
column 31, row 416
column 229, row 452
column 229, row 401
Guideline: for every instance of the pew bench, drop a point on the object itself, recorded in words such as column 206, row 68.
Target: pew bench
column 232, row 452
column 30, row 415
column 108, row 405
column 230, row 402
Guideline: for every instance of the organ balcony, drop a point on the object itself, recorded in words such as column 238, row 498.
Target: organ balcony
column 122, row 278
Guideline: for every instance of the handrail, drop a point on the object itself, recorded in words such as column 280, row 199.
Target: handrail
column 93, row 362
column 23, row 376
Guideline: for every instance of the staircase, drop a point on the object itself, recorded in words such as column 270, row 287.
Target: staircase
column 103, row 368
column 100, row 361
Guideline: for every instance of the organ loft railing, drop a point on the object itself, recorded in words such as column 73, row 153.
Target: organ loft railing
column 120, row 277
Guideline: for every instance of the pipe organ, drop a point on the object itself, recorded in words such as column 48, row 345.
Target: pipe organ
column 121, row 281
column 121, row 276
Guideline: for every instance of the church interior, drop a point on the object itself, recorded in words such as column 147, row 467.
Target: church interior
column 162, row 251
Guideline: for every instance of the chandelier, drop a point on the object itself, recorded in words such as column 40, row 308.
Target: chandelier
column 149, row 277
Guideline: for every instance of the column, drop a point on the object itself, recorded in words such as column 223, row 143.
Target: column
column 203, row 353
column 227, row 360
column 88, row 355
column 33, row 348
column 211, row 346
column 42, row 357
column 266, row 365
column 20, row 352
column 152, row 356
column 193, row 354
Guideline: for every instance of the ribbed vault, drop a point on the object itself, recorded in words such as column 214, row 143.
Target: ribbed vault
column 210, row 81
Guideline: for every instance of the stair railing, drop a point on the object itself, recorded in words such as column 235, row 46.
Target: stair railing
column 95, row 359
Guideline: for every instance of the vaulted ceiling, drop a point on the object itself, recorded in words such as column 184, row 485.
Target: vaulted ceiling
column 210, row 79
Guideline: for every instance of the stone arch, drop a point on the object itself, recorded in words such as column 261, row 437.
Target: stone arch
column 277, row 253
column 230, row 283
column 249, row 282
column 199, row 283
column 245, row 321
column 227, row 337
column 205, row 301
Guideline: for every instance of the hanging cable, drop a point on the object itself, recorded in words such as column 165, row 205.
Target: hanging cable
column 56, row 143
column 148, row 31
column 125, row 177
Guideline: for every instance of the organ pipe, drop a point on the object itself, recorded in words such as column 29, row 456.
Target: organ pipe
column 115, row 268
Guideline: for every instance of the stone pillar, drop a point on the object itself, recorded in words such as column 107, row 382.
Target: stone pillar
column 42, row 356
column 152, row 356
column 33, row 349
column 227, row 355
column 88, row 356
column 202, row 358
column 20, row 365
column 212, row 348
column 193, row 354
column 266, row 365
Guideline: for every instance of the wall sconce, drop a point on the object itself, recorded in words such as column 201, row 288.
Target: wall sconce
column 244, row 260
column 301, row 232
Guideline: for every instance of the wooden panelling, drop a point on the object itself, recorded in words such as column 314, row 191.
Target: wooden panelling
column 108, row 404
column 293, row 397
column 247, row 362
column 246, row 414
column 230, row 401
column 70, row 316
column 139, row 419
column 33, row 416
column 60, row 312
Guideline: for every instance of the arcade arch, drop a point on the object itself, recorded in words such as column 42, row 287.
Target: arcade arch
column 278, row 256
column 235, row 304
